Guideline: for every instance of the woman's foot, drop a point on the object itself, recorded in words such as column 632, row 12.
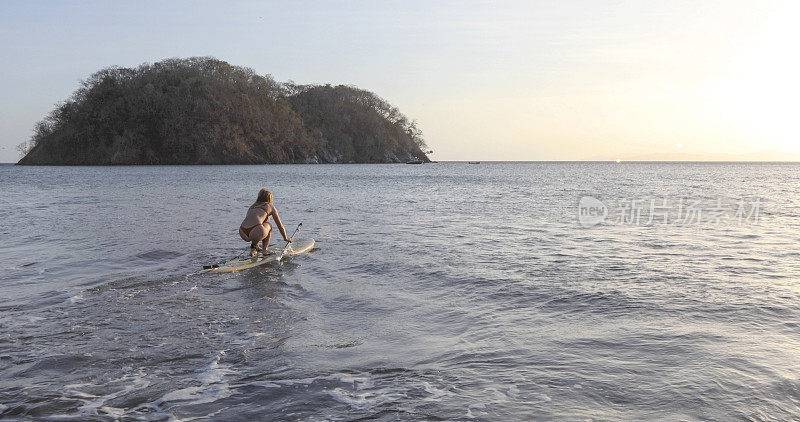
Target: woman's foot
column 254, row 250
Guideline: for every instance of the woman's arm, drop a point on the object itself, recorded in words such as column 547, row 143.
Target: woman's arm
column 278, row 223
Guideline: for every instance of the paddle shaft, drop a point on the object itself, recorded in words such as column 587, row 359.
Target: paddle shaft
column 290, row 238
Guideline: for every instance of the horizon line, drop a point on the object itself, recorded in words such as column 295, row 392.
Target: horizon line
column 449, row 161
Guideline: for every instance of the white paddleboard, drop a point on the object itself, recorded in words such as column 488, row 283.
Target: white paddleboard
column 297, row 247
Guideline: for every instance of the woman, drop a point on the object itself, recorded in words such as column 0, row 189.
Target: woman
column 255, row 227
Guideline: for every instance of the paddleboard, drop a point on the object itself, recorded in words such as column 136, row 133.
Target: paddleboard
column 297, row 247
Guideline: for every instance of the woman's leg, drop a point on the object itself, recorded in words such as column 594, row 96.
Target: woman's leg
column 243, row 235
column 265, row 242
column 260, row 234
column 256, row 234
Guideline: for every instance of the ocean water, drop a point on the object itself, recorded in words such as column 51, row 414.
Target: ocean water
column 443, row 291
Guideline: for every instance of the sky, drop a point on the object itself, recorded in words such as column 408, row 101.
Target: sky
column 498, row 80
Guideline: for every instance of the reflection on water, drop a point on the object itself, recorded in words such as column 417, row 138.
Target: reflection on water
column 442, row 291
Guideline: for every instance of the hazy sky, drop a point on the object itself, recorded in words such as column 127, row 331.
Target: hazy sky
column 527, row 80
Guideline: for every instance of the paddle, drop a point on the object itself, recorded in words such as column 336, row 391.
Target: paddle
column 290, row 238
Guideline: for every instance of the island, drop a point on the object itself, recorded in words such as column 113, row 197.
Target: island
column 202, row 110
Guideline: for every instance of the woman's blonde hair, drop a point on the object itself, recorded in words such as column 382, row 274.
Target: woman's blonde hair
column 264, row 196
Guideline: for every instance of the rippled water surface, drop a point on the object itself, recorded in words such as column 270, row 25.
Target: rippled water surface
column 443, row 291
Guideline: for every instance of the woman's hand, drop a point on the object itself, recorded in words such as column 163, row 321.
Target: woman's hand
column 289, row 240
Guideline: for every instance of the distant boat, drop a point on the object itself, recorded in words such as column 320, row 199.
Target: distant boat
column 474, row 162
column 414, row 162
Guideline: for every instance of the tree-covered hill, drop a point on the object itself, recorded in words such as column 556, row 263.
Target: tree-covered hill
column 205, row 111
column 356, row 125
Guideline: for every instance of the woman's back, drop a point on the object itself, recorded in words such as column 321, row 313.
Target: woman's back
column 257, row 214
